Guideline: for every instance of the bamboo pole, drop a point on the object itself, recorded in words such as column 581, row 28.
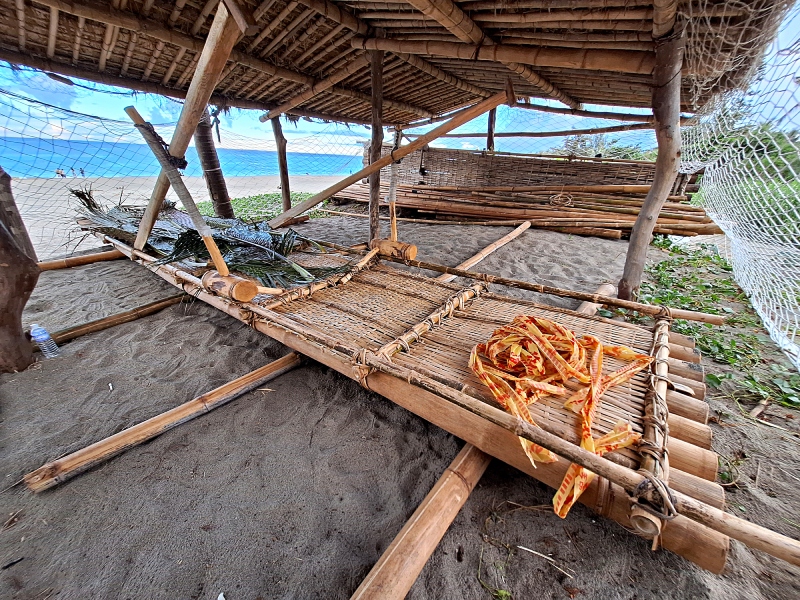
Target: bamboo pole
column 421, row 141
column 400, row 565
column 621, row 61
column 666, row 100
column 544, row 134
column 457, row 22
column 648, row 309
column 474, row 260
column 283, row 164
column 376, row 79
column 174, row 178
column 319, row 87
column 222, row 37
column 78, row 261
column 427, row 221
column 65, row 335
column 62, row 469
column 592, row 114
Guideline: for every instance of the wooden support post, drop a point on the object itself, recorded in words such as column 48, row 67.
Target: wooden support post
column 376, row 72
column 62, row 469
column 222, row 37
column 283, row 164
column 490, row 130
column 458, row 120
column 398, row 568
column 666, row 111
column 18, row 277
column 212, row 171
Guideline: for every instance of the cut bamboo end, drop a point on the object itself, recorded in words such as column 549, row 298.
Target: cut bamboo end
column 392, row 249
column 230, row 286
column 78, row 261
column 690, row 355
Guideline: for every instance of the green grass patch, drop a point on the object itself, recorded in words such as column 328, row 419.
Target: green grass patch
column 702, row 280
column 261, row 207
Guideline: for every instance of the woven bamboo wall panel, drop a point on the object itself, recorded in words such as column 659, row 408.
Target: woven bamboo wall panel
column 443, row 166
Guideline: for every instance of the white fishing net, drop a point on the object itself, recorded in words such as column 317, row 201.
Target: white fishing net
column 747, row 145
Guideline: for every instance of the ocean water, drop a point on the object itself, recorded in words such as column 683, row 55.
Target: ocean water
column 34, row 157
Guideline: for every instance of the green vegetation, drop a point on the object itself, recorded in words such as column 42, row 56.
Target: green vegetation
column 257, row 208
column 609, row 147
column 701, row 280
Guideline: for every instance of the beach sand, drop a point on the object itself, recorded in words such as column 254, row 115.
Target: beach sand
column 48, row 209
column 295, row 490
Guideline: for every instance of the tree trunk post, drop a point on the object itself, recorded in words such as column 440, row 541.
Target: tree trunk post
column 18, row 277
column 283, row 164
column 10, row 217
column 666, row 110
column 212, row 171
column 490, row 130
column 376, row 71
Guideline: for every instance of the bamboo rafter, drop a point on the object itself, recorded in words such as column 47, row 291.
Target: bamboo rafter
column 52, row 32
column 76, row 48
column 20, row 6
column 456, row 21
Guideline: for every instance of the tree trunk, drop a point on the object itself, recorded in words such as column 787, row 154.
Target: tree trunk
column 9, row 215
column 18, row 276
column 376, row 69
column 283, row 165
column 212, row 172
column 666, row 110
column 490, row 130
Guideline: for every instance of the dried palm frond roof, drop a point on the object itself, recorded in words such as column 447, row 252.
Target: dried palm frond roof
column 440, row 55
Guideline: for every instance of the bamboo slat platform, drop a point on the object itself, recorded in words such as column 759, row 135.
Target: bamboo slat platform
column 357, row 327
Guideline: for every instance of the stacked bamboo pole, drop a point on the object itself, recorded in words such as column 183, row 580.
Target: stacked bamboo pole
column 601, row 210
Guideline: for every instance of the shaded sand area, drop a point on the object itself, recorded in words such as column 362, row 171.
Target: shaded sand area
column 294, row 491
column 48, row 208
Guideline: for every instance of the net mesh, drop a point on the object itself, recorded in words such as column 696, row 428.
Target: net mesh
column 746, row 143
column 49, row 150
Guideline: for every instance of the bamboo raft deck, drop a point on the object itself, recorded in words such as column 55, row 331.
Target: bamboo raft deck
column 377, row 312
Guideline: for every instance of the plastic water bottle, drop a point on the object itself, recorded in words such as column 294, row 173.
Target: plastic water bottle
column 44, row 341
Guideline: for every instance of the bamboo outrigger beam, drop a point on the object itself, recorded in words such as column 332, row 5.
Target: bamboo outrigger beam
column 648, row 309
column 62, row 469
column 457, row 121
column 79, row 261
column 65, row 335
column 222, row 37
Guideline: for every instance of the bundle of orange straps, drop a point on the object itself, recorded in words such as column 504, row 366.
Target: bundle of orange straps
column 529, row 359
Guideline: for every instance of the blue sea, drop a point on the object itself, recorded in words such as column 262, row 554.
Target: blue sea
column 33, row 157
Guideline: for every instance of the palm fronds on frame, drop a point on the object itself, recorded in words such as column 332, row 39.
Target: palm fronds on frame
column 252, row 249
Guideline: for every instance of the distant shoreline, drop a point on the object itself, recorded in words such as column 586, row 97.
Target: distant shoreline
column 49, row 210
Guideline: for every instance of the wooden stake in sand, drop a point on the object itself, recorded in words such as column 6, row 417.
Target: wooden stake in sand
column 58, row 471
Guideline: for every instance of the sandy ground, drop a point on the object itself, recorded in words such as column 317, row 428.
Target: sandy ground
column 48, row 209
column 294, row 491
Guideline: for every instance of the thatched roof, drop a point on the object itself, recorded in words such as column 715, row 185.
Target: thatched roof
column 439, row 55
